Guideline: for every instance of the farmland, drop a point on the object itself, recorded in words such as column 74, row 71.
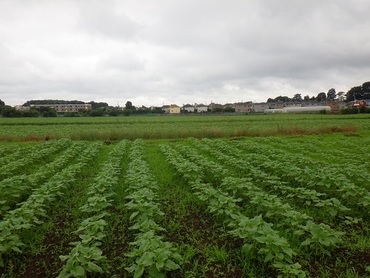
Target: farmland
column 291, row 199
column 174, row 126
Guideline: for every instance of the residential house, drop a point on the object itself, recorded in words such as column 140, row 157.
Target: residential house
column 215, row 107
column 201, row 108
column 260, row 107
column 188, row 108
column 242, row 107
column 174, row 109
column 166, row 108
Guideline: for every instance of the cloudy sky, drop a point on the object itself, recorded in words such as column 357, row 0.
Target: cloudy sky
column 155, row 52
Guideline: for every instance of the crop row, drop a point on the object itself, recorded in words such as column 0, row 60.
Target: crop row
column 86, row 255
column 15, row 188
column 355, row 157
column 15, row 152
column 306, row 172
column 259, row 236
column 232, row 208
column 151, row 254
column 342, row 192
column 30, row 212
column 270, row 205
column 38, row 154
column 302, row 196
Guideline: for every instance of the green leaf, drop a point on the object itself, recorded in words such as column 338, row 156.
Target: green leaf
column 159, row 264
column 78, row 271
column 132, row 216
column 171, row 265
column 154, row 273
column 269, row 257
column 148, row 260
column 94, row 268
column 247, row 248
column 139, row 271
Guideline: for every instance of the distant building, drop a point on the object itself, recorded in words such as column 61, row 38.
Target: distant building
column 299, row 109
column 293, row 104
column 166, row 108
column 201, row 108
column 242, row 107
column 66, row 107
column 174, row 109
column 260, row 107
column 215, row 106
column 359, row 103
column 335, row 105
column 188, row 108
column 277, row 105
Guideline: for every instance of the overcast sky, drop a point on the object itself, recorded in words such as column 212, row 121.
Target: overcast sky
column 155, row 52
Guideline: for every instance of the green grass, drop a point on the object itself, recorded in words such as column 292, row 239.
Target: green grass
column 174, row 127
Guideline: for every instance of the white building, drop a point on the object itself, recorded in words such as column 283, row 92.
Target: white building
column 201, row 108
column 188, row 108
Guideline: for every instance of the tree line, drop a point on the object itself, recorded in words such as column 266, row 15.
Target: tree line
column 355, row 93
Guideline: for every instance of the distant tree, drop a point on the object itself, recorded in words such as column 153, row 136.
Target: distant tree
column 142, row 110
column 95, row 105
column 51, row 101
column 229, row 109
column 49, row 113
column 366, row 87
column 31, row 113
column 97, row 112
column 113, row 111
column 366, row 90
column 354, row 93
column 321, row 97
column 331, row 95
column 8, row 111
column 129, row 108
column 306, row 98
column 282, row 99
column 157, row 110
column 2, row 104
column 217, row 110
column 340, row 96
column 71, row 114
column 270, row 100
column 45, row 111
column 297, row 97
column 128, row 105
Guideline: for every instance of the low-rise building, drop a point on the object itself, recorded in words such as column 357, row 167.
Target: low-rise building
column 166, row 108
column 215, row 106
column 201, row 108
column 188, row 108
column 260, row 107
column 277, row 105
column 174, row 109
column 243, row 107
column 65, row 107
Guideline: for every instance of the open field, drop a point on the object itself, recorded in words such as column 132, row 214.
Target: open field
column 289, row 204
column 173, row 127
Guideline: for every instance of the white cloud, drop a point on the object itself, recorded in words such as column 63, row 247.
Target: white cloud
column 170, row 51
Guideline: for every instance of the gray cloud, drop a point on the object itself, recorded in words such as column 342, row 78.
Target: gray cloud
column 154, row 52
